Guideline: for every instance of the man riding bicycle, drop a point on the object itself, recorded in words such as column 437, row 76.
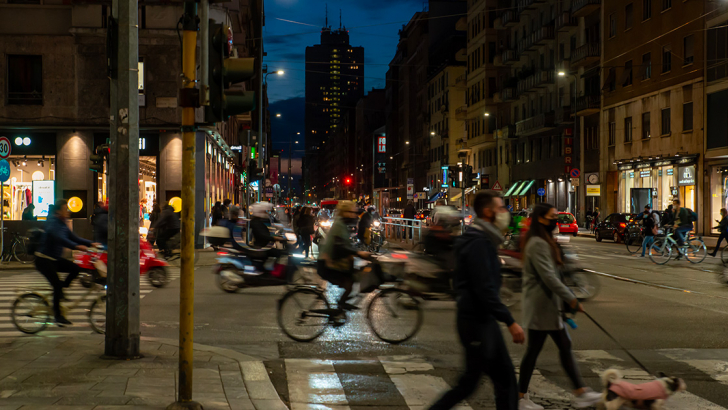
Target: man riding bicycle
column 49, row 260
column 684, row 218
column 336, row 256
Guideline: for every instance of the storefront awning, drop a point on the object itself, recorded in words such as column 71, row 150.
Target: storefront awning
column 467, row 191
column 525, row 187
column 512, row 189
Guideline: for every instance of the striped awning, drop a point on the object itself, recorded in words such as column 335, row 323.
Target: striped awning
column 513, row 189
column 525, row 187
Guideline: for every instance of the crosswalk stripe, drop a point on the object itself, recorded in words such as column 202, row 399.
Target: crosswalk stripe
column 717, row 369
column 314, row 382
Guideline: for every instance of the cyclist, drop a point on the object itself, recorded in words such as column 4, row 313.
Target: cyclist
column 684, row 218
column 722, row 229
column 336, row 256
column 650, row 230
column 49, row 259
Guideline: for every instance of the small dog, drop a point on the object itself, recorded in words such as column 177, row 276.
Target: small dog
column 649, row 396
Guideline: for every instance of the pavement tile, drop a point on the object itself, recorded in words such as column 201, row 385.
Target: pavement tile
column 150, row 392
column 275, row 404
column 109, row 386
column 28, row 401
column 232, row 379
column 261, row 390
column 10, row 406
column 116, row 407
column 239, row 404
column 94, row 401
column 122, row 380
column 142, row 382
column 206, row 373
column 73, row 388
column 157, row 402
column 55, row 407
column 112, row 372
column 254, row 371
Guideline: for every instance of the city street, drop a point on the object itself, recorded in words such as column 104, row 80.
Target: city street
column 672, row 318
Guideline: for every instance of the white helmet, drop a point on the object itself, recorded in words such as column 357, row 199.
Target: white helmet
column 261, row 209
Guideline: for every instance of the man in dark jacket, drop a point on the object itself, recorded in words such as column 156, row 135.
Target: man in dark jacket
column 365, row 222
column 479, row 308
column 101, row 225
column 166, row 227
column 408, row 213
column 49, row 260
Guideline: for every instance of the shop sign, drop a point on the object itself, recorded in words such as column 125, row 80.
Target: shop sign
column 686, row 176
column 44, row 194
column 382, row 144
column 568, row 149
column 75, row 204
column 176, row 203
column 670, row 171
column 643, row 165
column 645, row 174
column 631, row 174
column 663, row 163
column 685, row 160
column 625, row 167
column 674, row 191
column 593, row 190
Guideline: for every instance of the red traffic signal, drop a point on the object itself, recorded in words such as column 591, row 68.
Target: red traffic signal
column 347, row 181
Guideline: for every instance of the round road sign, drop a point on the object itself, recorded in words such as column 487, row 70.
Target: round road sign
column 575, row 173
column 4, row 147
column 4, row 170
column 541, row 192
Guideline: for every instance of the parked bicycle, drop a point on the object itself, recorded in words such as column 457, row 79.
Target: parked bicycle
column 693, row 249
column 32, row 310
column 17, row 249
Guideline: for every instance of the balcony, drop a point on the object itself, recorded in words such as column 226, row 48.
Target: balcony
column 544, row 78
column 582, row 8
column 524, row 45
column 509, row 131
column 509, row 57
column 508, row 94
column 508, row 19
column 565, row 21
column 543, row 35
column 563, row 116
column 587, row 105
column 587, row 54
column 535, row 125
column 526, row 84
column 461, row 113
column 524, row 5
column 462, row 80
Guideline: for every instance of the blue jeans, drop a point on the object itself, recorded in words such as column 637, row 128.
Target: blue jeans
column 681, row 233
column 648, row 241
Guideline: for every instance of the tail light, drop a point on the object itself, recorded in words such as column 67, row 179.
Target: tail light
column 399, row 256
column 222, row 254
column 622, row 225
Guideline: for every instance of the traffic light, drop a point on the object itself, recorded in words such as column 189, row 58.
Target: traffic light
column 468, row 176
column 453, row 176
column 254, row 173
column 97, row 158
column 224, row 71
column 347, row 181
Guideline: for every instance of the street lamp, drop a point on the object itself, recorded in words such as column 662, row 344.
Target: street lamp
column 278, row 115
column 581, row 197
column 263, row 82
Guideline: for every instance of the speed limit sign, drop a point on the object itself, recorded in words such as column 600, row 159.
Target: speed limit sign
column 4, row 147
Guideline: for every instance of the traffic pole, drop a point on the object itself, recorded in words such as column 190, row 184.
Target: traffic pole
column 187, row 273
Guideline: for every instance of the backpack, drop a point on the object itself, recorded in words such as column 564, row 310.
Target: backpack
column 693, row 216
column 36, row 237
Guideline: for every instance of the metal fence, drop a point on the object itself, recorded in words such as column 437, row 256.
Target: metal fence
column 404, row 230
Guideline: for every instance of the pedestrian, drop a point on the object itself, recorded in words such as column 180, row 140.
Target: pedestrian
column 669, row 216
column 28, row 213
column 305, row 229
column 154, row 216
column 722, row 229
column 649, row 227
column 409, row 214
column 226, row 208
column 595, row 219
column 477, row 282
column 543, row 293
column 166, row 228
column 216, row 214
column 101, row 225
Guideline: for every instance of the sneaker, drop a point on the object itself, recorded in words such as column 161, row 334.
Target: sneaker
column 587, row 399
column 526, row 404
column 62, row 321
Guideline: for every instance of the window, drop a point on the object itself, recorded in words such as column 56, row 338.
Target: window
column 25, row 80
column 717, row 40
column 688, row 116
column 646, row 9
column 688, row 49
column 627, row 74
column 666, row 59
column 612, row 133
column 647, row 66
column 628, row 17
column 665, row 122
column 612, row 25
column 628, row 129
column 646, row 126
column 666, row 4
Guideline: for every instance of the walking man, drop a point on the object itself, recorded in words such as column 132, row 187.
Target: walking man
column 477, row 282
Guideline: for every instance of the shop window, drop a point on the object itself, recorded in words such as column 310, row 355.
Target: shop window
column 665, row 122
column 688, row 116
column 688, row 49
column 628, row 18
column 666, row 58
column 646, row 131
column 25, row 80
column 646, row 9
column 628, row 129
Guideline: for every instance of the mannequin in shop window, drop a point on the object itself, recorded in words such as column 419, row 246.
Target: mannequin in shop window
column 28, row 213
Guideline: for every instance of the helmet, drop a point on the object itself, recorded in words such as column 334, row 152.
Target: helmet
column 345, row 206
column 261, row 209
column 371, row 209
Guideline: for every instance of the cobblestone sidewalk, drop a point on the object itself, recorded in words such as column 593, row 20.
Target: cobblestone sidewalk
column 68, row 373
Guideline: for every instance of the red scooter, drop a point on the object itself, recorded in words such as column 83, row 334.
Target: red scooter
column 94, row 261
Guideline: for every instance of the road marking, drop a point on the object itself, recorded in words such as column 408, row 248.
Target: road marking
column 314, row 382
column 717, row 369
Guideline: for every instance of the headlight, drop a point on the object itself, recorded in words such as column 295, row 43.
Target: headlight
column 325, row 224
column 377, row 223
column 291, row 237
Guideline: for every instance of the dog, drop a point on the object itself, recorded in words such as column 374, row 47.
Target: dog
column 649, row 396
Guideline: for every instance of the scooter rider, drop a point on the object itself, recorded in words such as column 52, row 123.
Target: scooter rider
column 336, row 256
column 49, row 259
column 261, row 234
column 365, row 222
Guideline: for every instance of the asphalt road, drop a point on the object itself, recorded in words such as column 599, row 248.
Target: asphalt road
column 673, row 318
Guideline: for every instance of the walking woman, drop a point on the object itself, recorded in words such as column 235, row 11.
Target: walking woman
column 722, row 229
column 543, row 296
column 305, row 229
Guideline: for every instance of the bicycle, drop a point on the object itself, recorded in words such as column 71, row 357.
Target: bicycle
column 18, row 249
column 693, row 248
column 32, row 310
column 633, row 237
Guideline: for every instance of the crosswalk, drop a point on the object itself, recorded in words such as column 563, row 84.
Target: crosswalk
column 13, row 286
column 415, row 382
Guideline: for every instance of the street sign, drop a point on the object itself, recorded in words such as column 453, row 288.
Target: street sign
column 269, row 192
column 541, row 192
column 574, row 181
column 410, row 191
column 593, row 190
column 575, row 173
column 421, row 195
column 4, row 147
column 497, row 186
column 4, row 170
column 410, row 181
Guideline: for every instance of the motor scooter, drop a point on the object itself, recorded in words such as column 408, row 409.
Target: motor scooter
column 93, row 265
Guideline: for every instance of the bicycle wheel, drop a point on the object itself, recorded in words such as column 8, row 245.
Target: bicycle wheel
column 20, row 252
column 304, row 313
column 660, row 251
column 394, row 316
column 31, row 313
column 633, row 242
column 724, row 256
column 696, row 250
column 97, row 314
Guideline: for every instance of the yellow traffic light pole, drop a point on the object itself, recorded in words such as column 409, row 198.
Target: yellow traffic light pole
column 187, row 274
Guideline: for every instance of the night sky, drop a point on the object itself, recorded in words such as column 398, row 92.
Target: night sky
column 372, row 24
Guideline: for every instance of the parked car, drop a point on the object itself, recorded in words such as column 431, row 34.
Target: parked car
column 424, row 216
column 567, row 223
column 394, row 213
column 612, row 227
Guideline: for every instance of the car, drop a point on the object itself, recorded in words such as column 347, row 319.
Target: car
column 612, row 227
column 394, row 213
column 423, row 215
column 567, row 223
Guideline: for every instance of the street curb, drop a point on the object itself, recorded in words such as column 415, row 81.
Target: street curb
column 228, row 353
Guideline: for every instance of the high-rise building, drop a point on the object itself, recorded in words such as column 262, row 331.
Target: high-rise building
column 334, row 84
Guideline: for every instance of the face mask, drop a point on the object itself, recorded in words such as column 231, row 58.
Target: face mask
column 502, row 219
column 551, row 225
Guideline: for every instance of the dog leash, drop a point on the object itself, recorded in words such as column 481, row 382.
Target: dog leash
column 631, row 356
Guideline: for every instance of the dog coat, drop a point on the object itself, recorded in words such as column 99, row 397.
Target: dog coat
column 654, row 390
